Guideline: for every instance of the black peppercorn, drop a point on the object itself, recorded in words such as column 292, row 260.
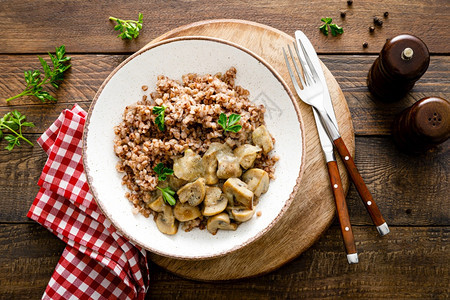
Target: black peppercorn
column 343, row 13
column 378, row 21
column 365, row 44
column 386, row 14
column 349, row 2
column 371, row 29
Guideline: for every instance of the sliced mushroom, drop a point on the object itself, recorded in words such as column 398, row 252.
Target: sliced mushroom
column 176, row 183
column 193, row 192
column 218, row 148
column 257, row 181
column 246, row 154
column 215, row 201
column 189, row 167
column 228, row 166
column 210, row 161
column 210, row 164
column 166, row 222
column 261, row 137
column 220, row 221
column 242, row 214
column 185, row 212
column 157, row 205
column 238, row 189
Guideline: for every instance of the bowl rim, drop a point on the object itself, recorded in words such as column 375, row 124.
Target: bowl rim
column 286, row 204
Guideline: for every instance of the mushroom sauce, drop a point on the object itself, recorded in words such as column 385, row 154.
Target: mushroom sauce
column 218, row 191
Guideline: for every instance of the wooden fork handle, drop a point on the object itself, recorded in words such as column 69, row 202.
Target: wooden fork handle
column 361, row 187
column 342, row 211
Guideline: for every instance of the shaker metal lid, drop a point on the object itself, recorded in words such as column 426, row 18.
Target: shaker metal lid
column 405, row 57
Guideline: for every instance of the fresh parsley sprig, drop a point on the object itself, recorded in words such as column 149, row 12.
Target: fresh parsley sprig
column 335, row 29
column 129, row 29
column 162, row 171
column 168, row 195
column 13, row 122
column 230, row 124
column 159, row 112
column 53, row 76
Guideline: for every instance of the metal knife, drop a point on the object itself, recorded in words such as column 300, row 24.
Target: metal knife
column 327, row 142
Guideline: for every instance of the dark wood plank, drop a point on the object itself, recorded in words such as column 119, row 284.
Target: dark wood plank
column 81, row 81
column 83, row 26
column 410, row 190
column 370, row 117
column 408, row 263
column 29, row 254
column 389, row 267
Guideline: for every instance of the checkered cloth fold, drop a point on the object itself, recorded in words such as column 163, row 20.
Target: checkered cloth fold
column 98, row 262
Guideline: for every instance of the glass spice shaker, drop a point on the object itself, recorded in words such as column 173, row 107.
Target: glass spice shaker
column 423, row 125
column 402, row 61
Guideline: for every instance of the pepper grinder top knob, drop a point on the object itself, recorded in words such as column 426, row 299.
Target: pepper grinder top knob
column 407, row 54
column 405, row 57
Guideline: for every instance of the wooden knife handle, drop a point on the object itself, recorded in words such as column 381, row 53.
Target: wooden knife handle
column 341, row 207
column 361, row 187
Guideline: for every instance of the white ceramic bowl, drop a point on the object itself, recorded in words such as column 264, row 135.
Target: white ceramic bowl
column 174, row 58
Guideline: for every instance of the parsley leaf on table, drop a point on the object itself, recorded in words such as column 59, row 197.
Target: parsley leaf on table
column 230, row 124
column 162, row 171
column 129, row 29
column 159, row 112
column 167, row 194
column 13, row 122
column 335, row 29
column 53, row 76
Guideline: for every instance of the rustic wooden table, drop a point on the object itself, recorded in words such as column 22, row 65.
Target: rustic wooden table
column 412, row 191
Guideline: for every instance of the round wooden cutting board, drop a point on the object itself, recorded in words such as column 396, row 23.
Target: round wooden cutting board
column 313, row 208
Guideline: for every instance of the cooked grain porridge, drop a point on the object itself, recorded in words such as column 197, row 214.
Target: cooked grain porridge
column 191, row 110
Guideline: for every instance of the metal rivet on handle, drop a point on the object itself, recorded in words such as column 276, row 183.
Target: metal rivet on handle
column 369, row 202
column 335, row 186
column 347, row 229
column 347, row 158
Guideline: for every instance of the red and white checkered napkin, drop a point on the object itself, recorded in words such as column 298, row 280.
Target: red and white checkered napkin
column 98, row 262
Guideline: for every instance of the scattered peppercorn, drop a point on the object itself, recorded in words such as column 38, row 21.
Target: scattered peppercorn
column 343, row 13
column 378, row 21
column 365, row 44
column 386, row 14
column 349, row 2
column 371, row 29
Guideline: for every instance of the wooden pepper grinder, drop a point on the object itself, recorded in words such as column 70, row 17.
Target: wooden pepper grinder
column 402, row 61
column 423, row 125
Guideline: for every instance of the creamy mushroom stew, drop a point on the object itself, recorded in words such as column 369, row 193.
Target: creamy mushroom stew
column 195, row 152
column 218, row 190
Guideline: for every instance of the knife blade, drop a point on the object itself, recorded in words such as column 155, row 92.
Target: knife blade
column 325, row 140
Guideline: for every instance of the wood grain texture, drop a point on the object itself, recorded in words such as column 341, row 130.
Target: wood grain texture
column 28, row 256
column 83, row 26
column 369, row 116
column 410, row 190
column 313, row 199
column 408, row 263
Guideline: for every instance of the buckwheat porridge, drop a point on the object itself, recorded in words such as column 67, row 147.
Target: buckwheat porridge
column 195, row 152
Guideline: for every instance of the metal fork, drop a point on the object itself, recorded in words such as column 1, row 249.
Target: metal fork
column 312, row 94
